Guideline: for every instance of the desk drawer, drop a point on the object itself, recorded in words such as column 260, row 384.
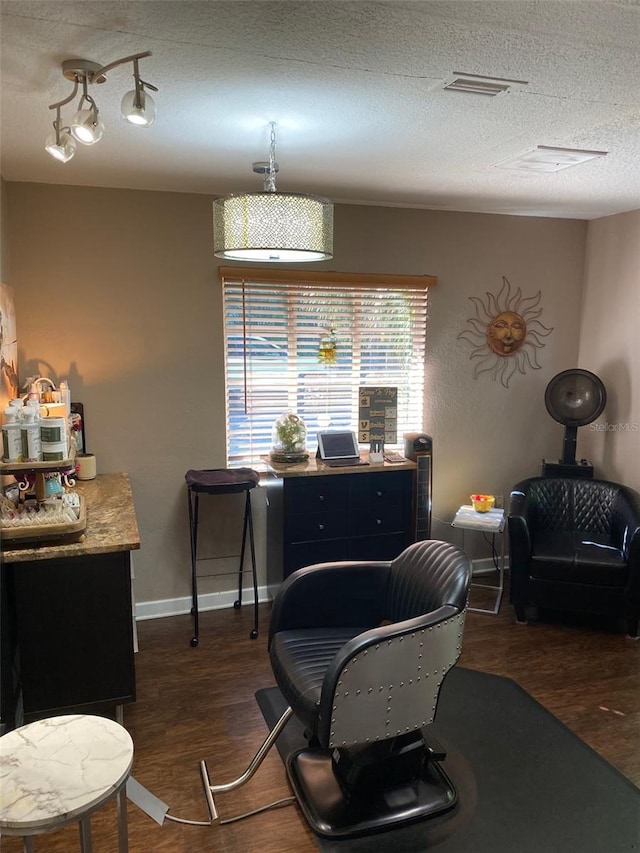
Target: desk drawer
column 377, row 547
column 307, row 553
column 377, row 520
column 380, row 489
column 311, row 494
column 316, row 526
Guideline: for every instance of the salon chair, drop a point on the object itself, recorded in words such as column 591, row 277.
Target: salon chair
column 574, row 545
column 359, row 651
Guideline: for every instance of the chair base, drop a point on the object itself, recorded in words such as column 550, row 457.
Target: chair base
column 333, row 814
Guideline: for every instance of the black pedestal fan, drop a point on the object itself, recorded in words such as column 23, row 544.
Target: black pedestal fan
column 574, row 398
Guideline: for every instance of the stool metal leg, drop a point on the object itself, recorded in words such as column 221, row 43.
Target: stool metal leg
column 85, row 835
column 254, row 633
column 27, row 844
column 193, row 537
column 248, row 525
column 247, row 511
column 123, row 830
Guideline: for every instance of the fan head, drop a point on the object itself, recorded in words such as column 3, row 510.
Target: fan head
column 575, row 397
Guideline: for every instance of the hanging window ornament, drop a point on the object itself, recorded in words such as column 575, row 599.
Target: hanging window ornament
column 328, row 349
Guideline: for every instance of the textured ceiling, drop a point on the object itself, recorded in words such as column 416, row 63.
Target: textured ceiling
column 356, row 91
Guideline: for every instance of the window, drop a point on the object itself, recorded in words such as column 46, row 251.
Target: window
column 306, row 341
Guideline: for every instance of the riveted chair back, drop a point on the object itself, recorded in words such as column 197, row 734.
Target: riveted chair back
column 385, row 682
column 390, row 688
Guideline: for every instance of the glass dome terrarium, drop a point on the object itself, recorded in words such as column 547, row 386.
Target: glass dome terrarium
column 289, row 439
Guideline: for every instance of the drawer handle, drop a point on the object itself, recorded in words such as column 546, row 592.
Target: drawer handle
column 321, row 527
column 378, row 521
column 320, row 497
column 379, row 494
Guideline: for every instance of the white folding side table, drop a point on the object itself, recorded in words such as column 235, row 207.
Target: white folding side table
column 60, row 770
column 494, row 521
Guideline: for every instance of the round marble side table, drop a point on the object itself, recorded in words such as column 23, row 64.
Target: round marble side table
column 60, row 770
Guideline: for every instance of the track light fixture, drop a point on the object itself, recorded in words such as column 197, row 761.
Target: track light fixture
column 86, row 125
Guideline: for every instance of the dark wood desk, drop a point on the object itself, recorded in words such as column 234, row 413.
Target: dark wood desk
column 317, row 514
column 67, row 632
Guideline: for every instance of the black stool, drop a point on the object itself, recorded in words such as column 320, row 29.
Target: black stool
column 221, row 481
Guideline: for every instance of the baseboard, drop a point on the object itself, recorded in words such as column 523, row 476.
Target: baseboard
column 209, row 601
column 220, row 600
column 485, row 566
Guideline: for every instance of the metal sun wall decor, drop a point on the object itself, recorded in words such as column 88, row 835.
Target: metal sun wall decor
column 505, row 333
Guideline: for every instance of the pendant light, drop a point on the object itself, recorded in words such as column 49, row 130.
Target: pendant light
column 271, row 226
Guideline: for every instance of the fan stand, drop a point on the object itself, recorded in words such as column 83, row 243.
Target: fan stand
column 567, row 466
column 569, row 445
column 574, row 398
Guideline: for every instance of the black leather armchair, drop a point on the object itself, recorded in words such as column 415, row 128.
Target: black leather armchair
column 360, row 651
column 574, row 545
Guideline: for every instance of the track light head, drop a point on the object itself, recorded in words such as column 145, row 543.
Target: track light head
column 138, row 108
column 61, row 145
column 86, row 125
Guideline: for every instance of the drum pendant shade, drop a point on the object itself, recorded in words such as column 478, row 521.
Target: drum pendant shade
column 273, row 226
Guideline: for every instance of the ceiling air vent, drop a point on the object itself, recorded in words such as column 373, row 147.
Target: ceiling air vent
column 546, row 158
column 478, row 84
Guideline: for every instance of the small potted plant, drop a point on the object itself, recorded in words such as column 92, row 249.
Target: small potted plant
column 289, row 439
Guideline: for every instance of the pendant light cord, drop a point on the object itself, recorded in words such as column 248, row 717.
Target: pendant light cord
column 270, row 176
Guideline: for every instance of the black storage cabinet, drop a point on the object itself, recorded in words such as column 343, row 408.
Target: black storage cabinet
column 346, row 516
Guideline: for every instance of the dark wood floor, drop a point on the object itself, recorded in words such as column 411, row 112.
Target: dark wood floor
column 199, row 703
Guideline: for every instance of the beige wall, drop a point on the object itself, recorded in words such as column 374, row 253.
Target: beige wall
column 610, row 344
column 117, row 291
column 3, row 241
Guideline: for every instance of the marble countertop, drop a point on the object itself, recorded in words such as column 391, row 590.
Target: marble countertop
column 111, row 523
column 314, row 467
column 58, row 770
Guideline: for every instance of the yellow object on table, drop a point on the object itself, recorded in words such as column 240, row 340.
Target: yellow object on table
column 482, row 503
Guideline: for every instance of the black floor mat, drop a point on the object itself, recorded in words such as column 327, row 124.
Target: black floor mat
column 526, row 783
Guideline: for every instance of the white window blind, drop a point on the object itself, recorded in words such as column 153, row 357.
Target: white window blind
column 274, row 324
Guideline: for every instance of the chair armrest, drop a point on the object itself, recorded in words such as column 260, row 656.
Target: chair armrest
column 331, row 595
column 518, row 525
column 518, row 503
column 519, row 539
column 625, row 523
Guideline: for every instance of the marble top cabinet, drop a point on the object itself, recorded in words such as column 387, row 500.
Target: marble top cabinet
column 67, row 625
